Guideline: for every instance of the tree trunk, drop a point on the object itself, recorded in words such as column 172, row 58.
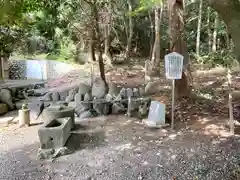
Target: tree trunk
column 231, row 19
column 152, row 33
column 209, row 30
column 1, row 68
column 130, row 36
column 98, row 44
column 91, row 47
column 155, row 59
column 178, row 44
column 199, row 28
column 107, row 44
column 214, row 45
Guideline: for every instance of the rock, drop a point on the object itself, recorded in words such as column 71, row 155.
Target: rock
column 151, row 88
column 135, row 92
column 63, row 95
column 19, row 94
column 98, row 106
column 6, row 98
column 123, row 93
column 81, row 107
column 52, row 153
column 141, row 91
column 55, row 96
column 45, row 153
column 30, row 92
column 78, row 97
column 84, row 88
column 106, row 109
column 71, row 95
column 108, row 98
column 143, row 108
column 102, row 108
column 72, row 104
column 47, row 97
column 41, row 91
column 13, row 92
column 87, row 97
column 98, row 88
column 86, row 114
column 3, row 108
column 61, row 103
column 61, row 152
column 69, row 99
column 19, row 104
column 113, row 90
column 118, row 108
column 72, row 92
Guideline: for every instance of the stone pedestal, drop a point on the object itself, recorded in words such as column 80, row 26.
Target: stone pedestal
column 24, row 117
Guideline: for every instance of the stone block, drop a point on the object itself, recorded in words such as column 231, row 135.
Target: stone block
column 55, row 133
column 58, row 111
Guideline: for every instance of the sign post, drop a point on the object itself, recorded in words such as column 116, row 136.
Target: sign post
column 173, row 70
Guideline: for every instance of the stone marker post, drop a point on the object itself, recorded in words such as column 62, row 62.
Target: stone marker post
column 24, row 116
column 129, row 95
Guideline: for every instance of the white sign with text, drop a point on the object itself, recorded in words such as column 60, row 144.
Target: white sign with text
column 173, row 66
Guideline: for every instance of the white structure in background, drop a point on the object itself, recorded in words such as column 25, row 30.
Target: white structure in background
column 45, row 69
column 173, row 68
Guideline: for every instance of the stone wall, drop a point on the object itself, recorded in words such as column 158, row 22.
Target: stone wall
column 37, row 69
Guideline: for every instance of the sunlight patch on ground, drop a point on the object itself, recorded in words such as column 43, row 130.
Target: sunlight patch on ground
column 214, row 71
column 218, row 130
column 204, row 120
column 124, row 147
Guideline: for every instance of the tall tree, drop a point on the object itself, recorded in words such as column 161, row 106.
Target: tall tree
column 215, row 33
column 155, row 60
column 178, row 44
column 199, row 28
column 130, row 30
column 209, row 30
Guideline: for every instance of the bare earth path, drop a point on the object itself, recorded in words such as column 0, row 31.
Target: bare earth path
column 123, row 149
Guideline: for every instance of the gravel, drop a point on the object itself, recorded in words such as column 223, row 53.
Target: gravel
column 123, row 149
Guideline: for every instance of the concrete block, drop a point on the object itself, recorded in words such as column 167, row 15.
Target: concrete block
column 58, row 111
column 55, row 134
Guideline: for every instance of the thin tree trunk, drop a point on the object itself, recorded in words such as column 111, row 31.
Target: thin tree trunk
column 227, row 43
column 82, row 44
column 214, row 45
column 199, row 28
column 209, row 30
column 1, row 68
column 92, row 46
column 130, row 36
column 230, row 105
column 107, row 33
column 107, row 44
column 98, row 44
column 178, row 44
column 152, row 33
column 155, row 59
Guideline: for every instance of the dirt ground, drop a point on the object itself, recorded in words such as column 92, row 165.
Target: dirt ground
column 122, row 148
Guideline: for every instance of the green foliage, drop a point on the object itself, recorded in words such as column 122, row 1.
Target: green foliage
column 223, row 58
